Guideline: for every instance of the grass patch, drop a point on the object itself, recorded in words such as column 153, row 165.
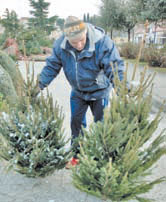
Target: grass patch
column 133, row 61
column 158, row 69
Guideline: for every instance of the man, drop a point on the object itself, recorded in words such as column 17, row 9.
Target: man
column 85, row 53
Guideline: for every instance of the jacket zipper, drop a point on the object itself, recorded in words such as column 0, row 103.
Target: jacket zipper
column 76, row 66
column 77, row 75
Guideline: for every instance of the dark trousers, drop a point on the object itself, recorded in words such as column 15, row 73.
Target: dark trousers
column 78, row 114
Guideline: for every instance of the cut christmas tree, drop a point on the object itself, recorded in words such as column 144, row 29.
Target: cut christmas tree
column 32, row 137
column 117, row 154
column 114, row 159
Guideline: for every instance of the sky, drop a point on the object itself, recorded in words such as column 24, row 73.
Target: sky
column 62, row 8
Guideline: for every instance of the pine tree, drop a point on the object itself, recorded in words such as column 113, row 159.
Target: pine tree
column 116, row 154
column 40, row 18
column 32, row 138
column 11, row 23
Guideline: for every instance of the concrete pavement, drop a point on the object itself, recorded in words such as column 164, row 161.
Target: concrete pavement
column 159, row 85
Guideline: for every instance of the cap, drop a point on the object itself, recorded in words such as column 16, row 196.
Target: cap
column 74, row 27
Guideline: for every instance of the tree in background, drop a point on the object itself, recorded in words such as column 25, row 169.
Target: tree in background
column 141, row 6
column 96, row 20
column 11, row 24
column 36, row 35
column 40, row 19
column 110, row 15
column 60, row 22
column 123, row 15
column 153, row 10
column 130, row 14
column 86, row 17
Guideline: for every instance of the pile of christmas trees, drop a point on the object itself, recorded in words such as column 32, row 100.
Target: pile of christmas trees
column 32, row 138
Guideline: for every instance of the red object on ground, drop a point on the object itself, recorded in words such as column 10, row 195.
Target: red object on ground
column 72, row 163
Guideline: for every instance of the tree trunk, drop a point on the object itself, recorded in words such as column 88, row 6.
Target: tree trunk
column 155, row 28
column 111, row 33
column 128, row 31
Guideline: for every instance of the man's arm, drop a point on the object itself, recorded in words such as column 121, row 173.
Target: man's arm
column 51, row 69
column 110, row 59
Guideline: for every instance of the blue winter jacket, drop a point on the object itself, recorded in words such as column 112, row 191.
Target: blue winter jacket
column 89, row 72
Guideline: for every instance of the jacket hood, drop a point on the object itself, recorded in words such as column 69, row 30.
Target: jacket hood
column 94, row 35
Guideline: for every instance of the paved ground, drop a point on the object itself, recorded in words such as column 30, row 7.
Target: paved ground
column 58, row 187
column 159, row 85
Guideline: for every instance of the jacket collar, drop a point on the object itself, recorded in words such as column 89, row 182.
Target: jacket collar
column 94, row 34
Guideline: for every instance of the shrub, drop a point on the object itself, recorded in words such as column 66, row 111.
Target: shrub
column 7, row 88
column 33, row 40
column 45, row 41
column 129, row 50
column 11, row 68
column 153, row 55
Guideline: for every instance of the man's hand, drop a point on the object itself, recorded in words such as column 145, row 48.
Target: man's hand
column 35, row 92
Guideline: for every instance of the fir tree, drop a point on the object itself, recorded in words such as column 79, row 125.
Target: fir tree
column 115, row 154
column 31, row 134
column 11, row 23
column 40, row 18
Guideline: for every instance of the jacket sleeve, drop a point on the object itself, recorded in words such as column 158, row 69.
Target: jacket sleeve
column 110, row 58
column 51, row 69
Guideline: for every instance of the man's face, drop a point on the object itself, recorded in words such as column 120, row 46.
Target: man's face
column 79, row 43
